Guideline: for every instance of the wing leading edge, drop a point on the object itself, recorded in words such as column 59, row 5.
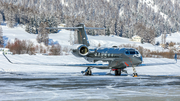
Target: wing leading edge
column 55, row 64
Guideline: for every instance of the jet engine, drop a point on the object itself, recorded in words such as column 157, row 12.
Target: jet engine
column 80, row 50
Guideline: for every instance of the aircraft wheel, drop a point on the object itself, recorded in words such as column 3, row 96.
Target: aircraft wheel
column 135, row 75
column 118, row 72
column 89, row 72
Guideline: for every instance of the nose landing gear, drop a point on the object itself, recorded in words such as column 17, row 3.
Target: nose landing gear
column 135, row 75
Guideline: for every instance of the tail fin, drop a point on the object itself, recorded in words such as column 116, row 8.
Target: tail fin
column 82, row 35
column 175, row 57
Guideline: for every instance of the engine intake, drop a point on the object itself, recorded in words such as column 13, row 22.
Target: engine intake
column 83, row 50
column 80, row 50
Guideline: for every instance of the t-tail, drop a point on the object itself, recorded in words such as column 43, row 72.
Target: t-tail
column 81, row 31
column 82, row 35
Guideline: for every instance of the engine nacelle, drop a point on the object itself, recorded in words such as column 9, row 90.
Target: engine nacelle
column 80, row 50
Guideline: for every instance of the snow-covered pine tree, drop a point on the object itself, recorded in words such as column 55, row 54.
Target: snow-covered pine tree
column 27, row 28
column 10, row 16
column 120, row 15
column 107, row 32
column 52, row 22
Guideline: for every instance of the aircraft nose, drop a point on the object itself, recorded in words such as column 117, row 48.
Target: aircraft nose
column 139, row 59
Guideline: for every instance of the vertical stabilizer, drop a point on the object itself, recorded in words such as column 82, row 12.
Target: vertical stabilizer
column 82, row 35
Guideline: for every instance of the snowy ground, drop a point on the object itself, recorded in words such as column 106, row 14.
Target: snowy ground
column 169, row 70
column 24, row 82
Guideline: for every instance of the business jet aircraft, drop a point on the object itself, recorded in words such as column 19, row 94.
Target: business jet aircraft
column 118, row 58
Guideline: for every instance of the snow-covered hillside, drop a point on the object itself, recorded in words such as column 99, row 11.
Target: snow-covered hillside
column 63, row 38
column 174, row 37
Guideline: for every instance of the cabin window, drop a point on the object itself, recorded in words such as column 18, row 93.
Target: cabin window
column 112, row 55
column 109, row 55
column 105, row 55
column 99, row 54
column 95, row 54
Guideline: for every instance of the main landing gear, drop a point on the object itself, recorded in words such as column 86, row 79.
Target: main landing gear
column 117, row 72
column 87, row 71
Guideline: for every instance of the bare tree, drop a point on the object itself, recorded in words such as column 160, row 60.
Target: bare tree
column 147, row 34
column 43, row 33
column 56, row 50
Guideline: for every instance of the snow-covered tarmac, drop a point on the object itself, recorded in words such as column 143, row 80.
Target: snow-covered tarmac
column 42, row 86
column 24, row 82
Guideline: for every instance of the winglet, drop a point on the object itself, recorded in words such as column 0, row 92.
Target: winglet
column 7, row 58
column 175, row 57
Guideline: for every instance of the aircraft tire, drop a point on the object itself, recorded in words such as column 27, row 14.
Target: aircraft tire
column 89, row 72
column 118, row 72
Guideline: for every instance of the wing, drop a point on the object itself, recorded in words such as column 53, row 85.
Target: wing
column 56, row 64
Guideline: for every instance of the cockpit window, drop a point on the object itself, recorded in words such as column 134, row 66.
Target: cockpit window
column 127, row 52
column 131, row 52
column 137, row 52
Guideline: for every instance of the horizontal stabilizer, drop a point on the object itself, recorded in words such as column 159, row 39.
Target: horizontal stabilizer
column 64, row 27
column 94, row 28
column 75, row 28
